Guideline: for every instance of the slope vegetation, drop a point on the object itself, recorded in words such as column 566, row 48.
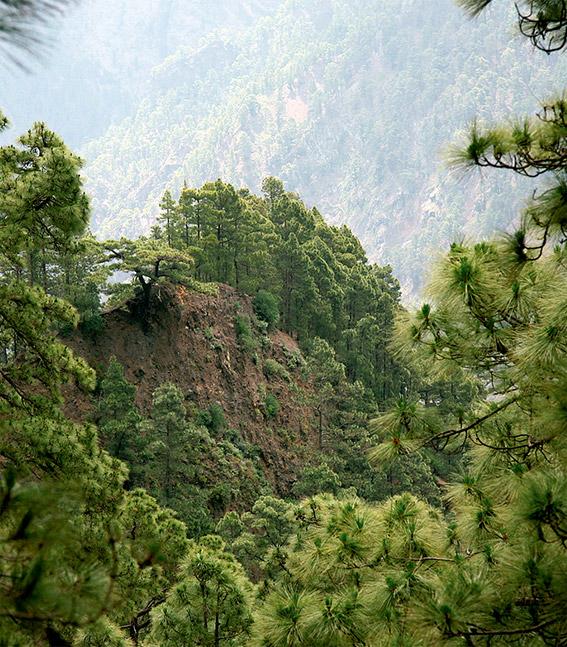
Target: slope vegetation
column 192, row 342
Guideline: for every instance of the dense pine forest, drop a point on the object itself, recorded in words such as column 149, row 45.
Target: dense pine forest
column 221, row 426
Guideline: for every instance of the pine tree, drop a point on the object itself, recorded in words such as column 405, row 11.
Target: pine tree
column 41, row 199
column 211, row 606
column 175, row 473
column 193, row 213
column 79, row 276
column 273, row 190
column 260, row 538
column 48, row 483
column 299, row 293
column 224, row 235
column 75, row 562
column 42, row 206
column 342, row 586
column 168, row 217
column 169, row 432
column 151, row 263
column 118, row 420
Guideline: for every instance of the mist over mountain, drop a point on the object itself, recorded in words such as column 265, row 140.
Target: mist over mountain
column 351, row 104
column 98, row 59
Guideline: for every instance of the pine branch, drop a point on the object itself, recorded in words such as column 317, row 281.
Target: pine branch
column 450, row 433
column 474, row 631
column 474, row 7
column 23, row 25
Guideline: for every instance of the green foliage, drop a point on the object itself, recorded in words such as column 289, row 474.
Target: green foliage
column 272, row 368
column 42, row 548
column 530, row 147
column 212, row 418
column 150, row 262
column 294, row 358
column 167, row 217
column 198, row 469
column 118, row 419
column 170, row 443
column 156, row 542
column 85, row 560
column 401, row 425
column 211, row 606
column 316, row 480
column 497, row 315
column 259, row 538
column 271, row 405
column 266, row 308
column 338, row 403
column 342, row 586
column 43, row 208
column 43, row 203
column 78, row 276
column 244, row 334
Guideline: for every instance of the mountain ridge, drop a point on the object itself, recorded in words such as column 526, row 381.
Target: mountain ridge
column 349, row 123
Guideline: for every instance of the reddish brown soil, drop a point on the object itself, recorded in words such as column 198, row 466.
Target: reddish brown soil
column 191, row 341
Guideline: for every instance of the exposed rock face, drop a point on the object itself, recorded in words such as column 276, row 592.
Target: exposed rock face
column 191, row 341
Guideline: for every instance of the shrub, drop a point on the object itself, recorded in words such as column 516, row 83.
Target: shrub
column 212, row 418
column 266, row 307
column 271, row 405
column 314, row 480
column 214, row 342
column 244, row 334
column 294, row 359
column 273, row 368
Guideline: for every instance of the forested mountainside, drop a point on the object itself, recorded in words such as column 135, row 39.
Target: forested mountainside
column 342, row 100
column 230, row 432
column 350, row 103
column 98, row 59
column 232, row 371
